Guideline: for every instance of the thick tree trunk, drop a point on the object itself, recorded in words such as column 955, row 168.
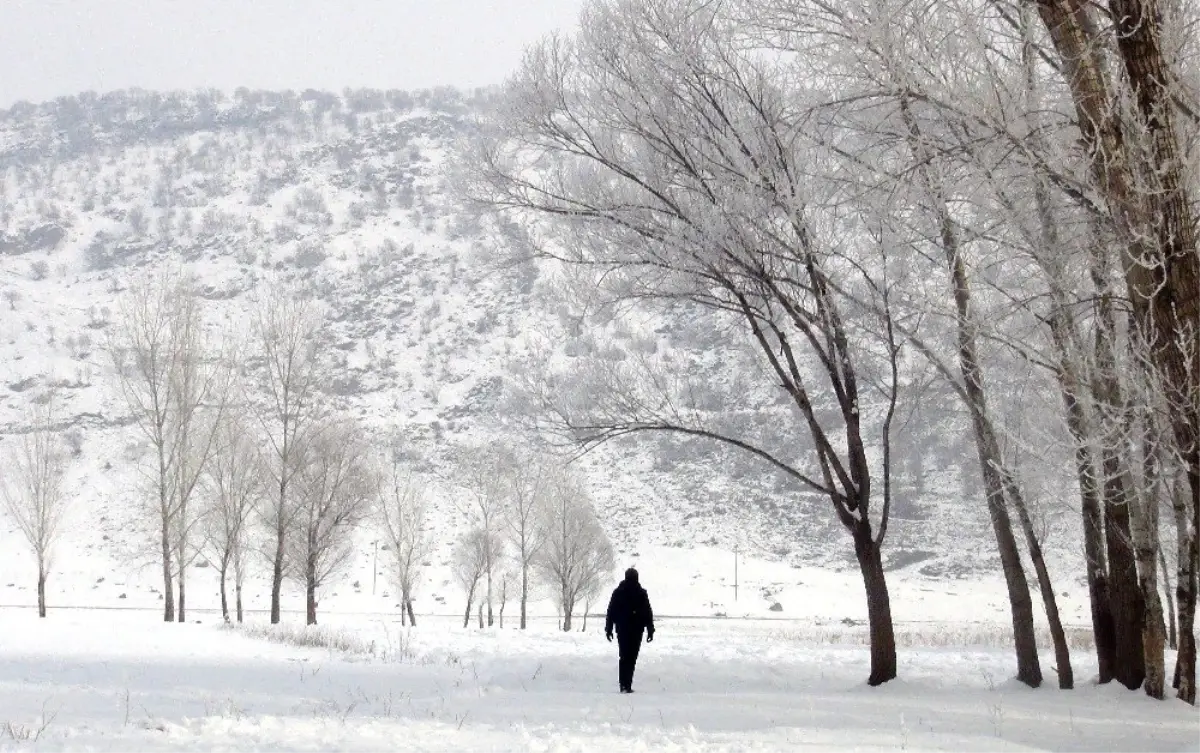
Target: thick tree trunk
column 168, row 581
column 470, row 602
column 568, row 607
column 310, row 595
column 489, row 597
column 1127, row 607
column 1172, row 636
column 224, row 600
column 277, row 576
column 1185, row 595
column 41, row 590
column 182, row 592
column 1144, row 527
column 524, row 592
column 879, row 607
column 412, row 618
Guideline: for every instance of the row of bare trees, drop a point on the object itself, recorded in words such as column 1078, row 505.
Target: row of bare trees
column 249, row 462
column 534, row 523
column 246, row 454
column 856, row 194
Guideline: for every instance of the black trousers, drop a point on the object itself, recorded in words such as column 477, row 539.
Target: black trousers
column 629, row 643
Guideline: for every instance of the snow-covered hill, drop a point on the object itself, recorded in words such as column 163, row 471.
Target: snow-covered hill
column 348, row 195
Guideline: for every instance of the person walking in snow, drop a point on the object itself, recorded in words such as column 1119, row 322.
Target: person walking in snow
column 629, row 613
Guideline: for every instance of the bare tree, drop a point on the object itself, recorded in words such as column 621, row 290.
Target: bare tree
column 677, row 168
column 1135, row 159
column 234, row 482
column 485, row 473
column 400, row 513
column 577, row 558
column 335, row 489
column 471, row 555
column 524, row 518
column 33, row 488
column 169, row 382
column 287, row 327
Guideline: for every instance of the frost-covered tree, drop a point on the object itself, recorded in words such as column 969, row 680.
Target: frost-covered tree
column 400, row 514
column 287, row 325
column 471, row 556
column 577, row 557
column 233, row 481
column 334, row 491
column 673, row 165
column 174, row 383
column 35, row 468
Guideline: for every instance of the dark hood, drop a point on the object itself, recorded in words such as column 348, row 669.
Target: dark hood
column 631, row 576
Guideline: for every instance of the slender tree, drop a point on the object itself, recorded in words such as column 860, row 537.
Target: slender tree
column 577, row 558
column 233, row 481
column 287, row 327
column 400, row 513
column 335, row 489
column 32, row 488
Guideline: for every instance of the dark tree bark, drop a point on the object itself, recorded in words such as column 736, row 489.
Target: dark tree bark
column 182, row 592
column 238, row 600
column 41, row 590
column 277, row 570
column 1160, row 259
column 412, row 618
column 168, row 581
column 1172, row 636
column 310, row 593
column 224, row 599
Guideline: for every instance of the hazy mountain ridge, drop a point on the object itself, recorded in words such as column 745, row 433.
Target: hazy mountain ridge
column 347, row 193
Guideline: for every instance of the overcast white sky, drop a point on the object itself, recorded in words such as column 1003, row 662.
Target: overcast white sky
column 53, row 47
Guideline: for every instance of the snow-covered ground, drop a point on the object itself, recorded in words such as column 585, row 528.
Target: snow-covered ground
column 120, row 680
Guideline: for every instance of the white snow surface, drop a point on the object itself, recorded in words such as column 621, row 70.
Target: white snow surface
column 120, row 680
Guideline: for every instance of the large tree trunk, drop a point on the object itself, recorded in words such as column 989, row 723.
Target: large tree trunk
column 224, row 600
column 1185, row 595
column 412, row 618
column 489, row 596
column 310, row 593
column 182, row 591
column 467, row 614
column 1144, row 527
column 1172, row 636
column 41, row 589
column 568, row 607
column 524, row 592
column 879, row 607
column 168, row 581
column 1118, row 491
column 277, row 575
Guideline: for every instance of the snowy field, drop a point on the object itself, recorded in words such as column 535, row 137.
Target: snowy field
column 120, row 680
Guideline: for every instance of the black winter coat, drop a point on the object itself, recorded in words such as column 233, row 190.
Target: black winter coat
column 629, row 610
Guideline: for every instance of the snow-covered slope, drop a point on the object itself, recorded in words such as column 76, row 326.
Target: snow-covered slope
column 348, row 195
